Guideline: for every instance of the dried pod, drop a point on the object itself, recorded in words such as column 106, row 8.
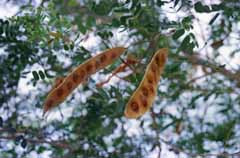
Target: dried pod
column 79, row 75
column 143, row 97
column 57, row 82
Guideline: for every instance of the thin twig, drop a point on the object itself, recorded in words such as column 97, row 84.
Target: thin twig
column 157, row 132
column 195, row 59
column 36, row 140
column 199, row 77
column 60, row 144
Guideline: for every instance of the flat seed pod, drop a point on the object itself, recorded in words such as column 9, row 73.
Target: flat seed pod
column 143, row 97
column 58, row 81
column 79, row 75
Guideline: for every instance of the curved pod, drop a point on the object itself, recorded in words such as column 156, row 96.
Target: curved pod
column 143, row 97
column 80, row 74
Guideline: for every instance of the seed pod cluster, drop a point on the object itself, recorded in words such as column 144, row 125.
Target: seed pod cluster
column 143, row 97
column 65, row 86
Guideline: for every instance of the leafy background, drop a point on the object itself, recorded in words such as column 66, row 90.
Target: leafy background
column 196, row 112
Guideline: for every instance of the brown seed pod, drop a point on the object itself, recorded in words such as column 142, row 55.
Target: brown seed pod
column 57, row 82
column 60, row 92
column 143, row 97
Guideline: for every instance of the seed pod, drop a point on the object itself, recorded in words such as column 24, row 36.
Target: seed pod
column 80, row 74
column 143, row 97
column 58, row 81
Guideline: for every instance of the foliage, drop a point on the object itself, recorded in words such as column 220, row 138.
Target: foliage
column 196, row 112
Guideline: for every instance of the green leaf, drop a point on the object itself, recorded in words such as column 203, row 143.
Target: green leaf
column 206, row 97
column 71, row 46
column 187, row 22
column 195, row 98
column 201, row 8
column 178, row 34
column 65, row 46
column 1, row 29
column 117, row 141
column 72, row 3
column 35, row 75
column 82, row 28
column 24, row 143
column 134, row 3
column 123, row 19
column 102, row 8
column 41, row 74
column 91, row 21
column 19, row 138
column 175, row 3
column 190, row 47
column 138, row 9
column 47, row 75
column 185, row 43
column 160, row 3
column 41, row 149
column 127, row 1
column 217, row 7
column 121, row 10
column 1, row 121
column 116, row 22
column 222, row 132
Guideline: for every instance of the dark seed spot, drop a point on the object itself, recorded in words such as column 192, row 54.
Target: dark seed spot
column 75, row 77
column 163, row 58
column 113, row 55
column 152, row 78
column 150, row 87
column 103, row 58
column 59, row 92
column 144, row 102
column 150, row 81
column 145, row 91
column 49, row 104
column 82, row 73
column 69, row 85
column 134, row 107
column 157, row 60
column 89, row 68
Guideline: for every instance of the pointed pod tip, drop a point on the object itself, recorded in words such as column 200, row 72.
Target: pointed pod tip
column 163, row 50
column 43, row 114
column 122, row 48
column 45, row 110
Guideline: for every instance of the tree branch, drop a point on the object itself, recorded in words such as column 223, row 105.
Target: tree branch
column 195, row 59
column 157, row 132
column 179, row 150
column 13, row 135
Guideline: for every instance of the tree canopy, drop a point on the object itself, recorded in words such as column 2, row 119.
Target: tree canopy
column 196, row 112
